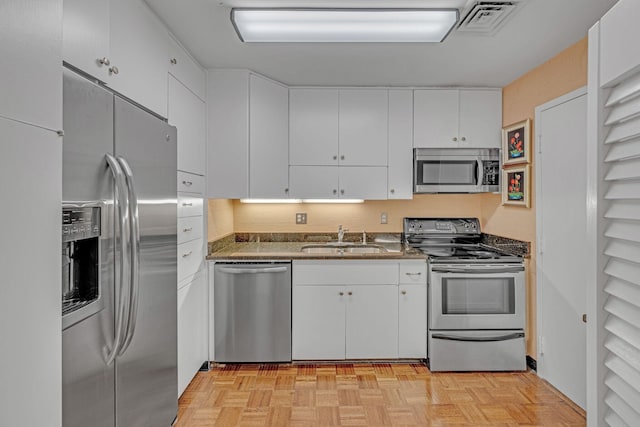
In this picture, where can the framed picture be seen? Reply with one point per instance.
(516, 143)
(515, 186)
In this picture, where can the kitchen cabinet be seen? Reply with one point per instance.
(363, 127)
(338, 182)
(138, 51)
(192, 330)
(85, 36)
(400, 156)
(247, 154)
(457, 118)
(31, 86)
(191, 245)
(187, 113)
(185, 69)
(344, 309)
(412, 310)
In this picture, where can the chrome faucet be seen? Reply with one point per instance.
(364, 237)
(341, 233)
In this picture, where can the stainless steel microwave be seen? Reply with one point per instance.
(456, 170)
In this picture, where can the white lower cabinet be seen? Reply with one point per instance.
(192, 330)
(357, 310)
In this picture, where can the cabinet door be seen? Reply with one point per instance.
(480, 118)
(85, 36)
(400, 176)
(185, 69)
(313, 182)
(618, 55)
(435, 118)
(138, 45)
(192, 330)
(363, 123)
(31, 84)
(187, 113)
(318, 323)
(269, 139)
(313, 126)
(372, 322)
(412, 321)
(363, 182)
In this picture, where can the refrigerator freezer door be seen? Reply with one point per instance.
(146, 373)
(88, 382)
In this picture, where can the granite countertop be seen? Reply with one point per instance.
(292, 250)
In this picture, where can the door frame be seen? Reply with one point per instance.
(539, 203)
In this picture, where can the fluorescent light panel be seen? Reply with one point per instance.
(343, 25)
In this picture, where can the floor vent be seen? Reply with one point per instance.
(487, 17)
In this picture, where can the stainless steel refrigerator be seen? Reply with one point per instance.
(120, 364)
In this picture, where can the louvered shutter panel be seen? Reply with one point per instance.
(622, 251)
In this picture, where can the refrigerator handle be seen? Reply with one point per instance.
(134, 221)
(121, 209)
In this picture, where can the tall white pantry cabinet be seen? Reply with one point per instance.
(31, 194)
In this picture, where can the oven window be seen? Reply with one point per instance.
(488, 295)
(447, 172)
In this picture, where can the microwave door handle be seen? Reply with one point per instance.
(480, 172)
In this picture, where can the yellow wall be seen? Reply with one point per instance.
(562, 74)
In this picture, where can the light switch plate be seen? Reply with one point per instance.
(301, 218)
(383, 218)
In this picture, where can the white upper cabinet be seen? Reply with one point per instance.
(313, 126)
(338, 182)
(138, 50)
(362, 127)
(457, 118)
(314, 182)
(187, 113)
(618, 54)
(248, 136)
(31, 46)
(363, 182)
(85, 36)
(269, 139)
(400, 176)
(185, 69)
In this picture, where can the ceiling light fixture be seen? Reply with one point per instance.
(343, 25)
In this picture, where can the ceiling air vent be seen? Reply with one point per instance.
(486, 17)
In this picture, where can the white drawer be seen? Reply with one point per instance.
(189, 205)
(190, 183)
(344, 273)
(414, 272)
(190, 259)
(189, 228)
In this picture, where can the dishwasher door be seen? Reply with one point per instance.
(252, 309)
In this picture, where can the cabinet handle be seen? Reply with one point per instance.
(335, 191)
(455, 138)
(286, 190)
(414, 274)
(335, 157)
(186, 230)
(341, 293)
(186, 254)
(187, 204)
(463, 139)
(174, 61)
(349, 293)
(341, 191)
(187, 183)
(403, 292)
(113, 70)
(104, 61)
(341, 157)
(393, 191)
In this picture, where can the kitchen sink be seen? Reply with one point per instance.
(342, 249)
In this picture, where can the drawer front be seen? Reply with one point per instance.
(189, 205)
(190, 183)
(345, 273)
(189, 228)
(190, 259)
(414, 272)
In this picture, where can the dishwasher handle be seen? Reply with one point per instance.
(232, 270)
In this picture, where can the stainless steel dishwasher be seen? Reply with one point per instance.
(252, 312)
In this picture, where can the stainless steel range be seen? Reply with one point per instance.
(476, 297)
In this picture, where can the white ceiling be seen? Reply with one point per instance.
(536, 32)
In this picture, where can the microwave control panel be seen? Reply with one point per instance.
(491, 174)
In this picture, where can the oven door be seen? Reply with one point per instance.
(482, 296)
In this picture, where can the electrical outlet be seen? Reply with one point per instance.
(383, 218)
(301, 218)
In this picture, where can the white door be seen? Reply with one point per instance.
(561, 227)
(412, 321)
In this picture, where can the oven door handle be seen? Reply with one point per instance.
(507, 337)
(477, 270)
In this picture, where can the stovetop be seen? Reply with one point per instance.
(452, 241)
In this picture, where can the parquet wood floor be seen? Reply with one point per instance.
(366, 394)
